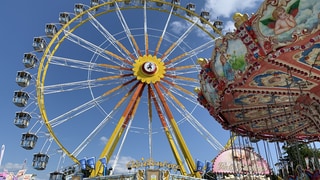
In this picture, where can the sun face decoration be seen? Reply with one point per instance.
(149, 69)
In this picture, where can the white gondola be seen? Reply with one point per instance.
(64, 18)
(218, 24)
(22, 119)
(205, 15)
(51, 30)
(23, 78)
(39, 44)
(78, 8)
(94, 3)
(28, 141)
(175, 3)
(56, 176)
(29, 60)
(20, 98)
(40, 161)
(191, 7)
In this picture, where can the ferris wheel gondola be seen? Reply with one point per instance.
(148, 72)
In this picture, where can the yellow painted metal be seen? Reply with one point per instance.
(110, 66)
(169, 50)
(176, 58)
(135, 44)
(147, 43)
(184, 148)
(125, 49)
(182, 67)
(149, 78)
(120, 127)
(158, 46)
(110, 77)
(196, 174)
(183, 78)
(179, 87)
(173, 147)
(230, 141)
(98, 171)
(117, 57)
(115, 89)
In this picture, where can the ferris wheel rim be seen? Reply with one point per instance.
(43, 67)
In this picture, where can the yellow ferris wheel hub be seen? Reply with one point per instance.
(149, 69)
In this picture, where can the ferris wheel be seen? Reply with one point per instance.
(112, 70)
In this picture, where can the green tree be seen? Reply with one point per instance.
(297, 152)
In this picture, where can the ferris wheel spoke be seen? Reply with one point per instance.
(190, 97)
(93, 134)
(190, 53)
(146, 41)
(175, 128)
(127, 126)
(115, 43)
(187, 84)
(108, 116)
(193, 121)
(178, 42)
(186, 71)
(168, 131)
(150, 119)
(187, 79)
(121, 146)
(163, 32)
(74, 86)
(182, 68)
(78, 64)
(94, 48)
(90, 104)
(186, 91)
(118, 130)
(118, 87)
(126, 29)
(76, 111)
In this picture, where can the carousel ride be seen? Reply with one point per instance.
(262, 80)
(98, 85)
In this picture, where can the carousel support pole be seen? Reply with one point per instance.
(316, 162)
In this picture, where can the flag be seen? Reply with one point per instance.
(3, 147)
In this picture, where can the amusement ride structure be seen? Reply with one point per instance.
(262, 80)
(86, 80)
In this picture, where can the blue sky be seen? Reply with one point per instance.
(24, 20)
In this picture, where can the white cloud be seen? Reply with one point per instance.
(223, 10)
(12, 167)
(104, 140)
(227, 8)
(178, 27)
(228, 26)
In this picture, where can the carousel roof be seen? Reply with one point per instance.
(262, 80)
